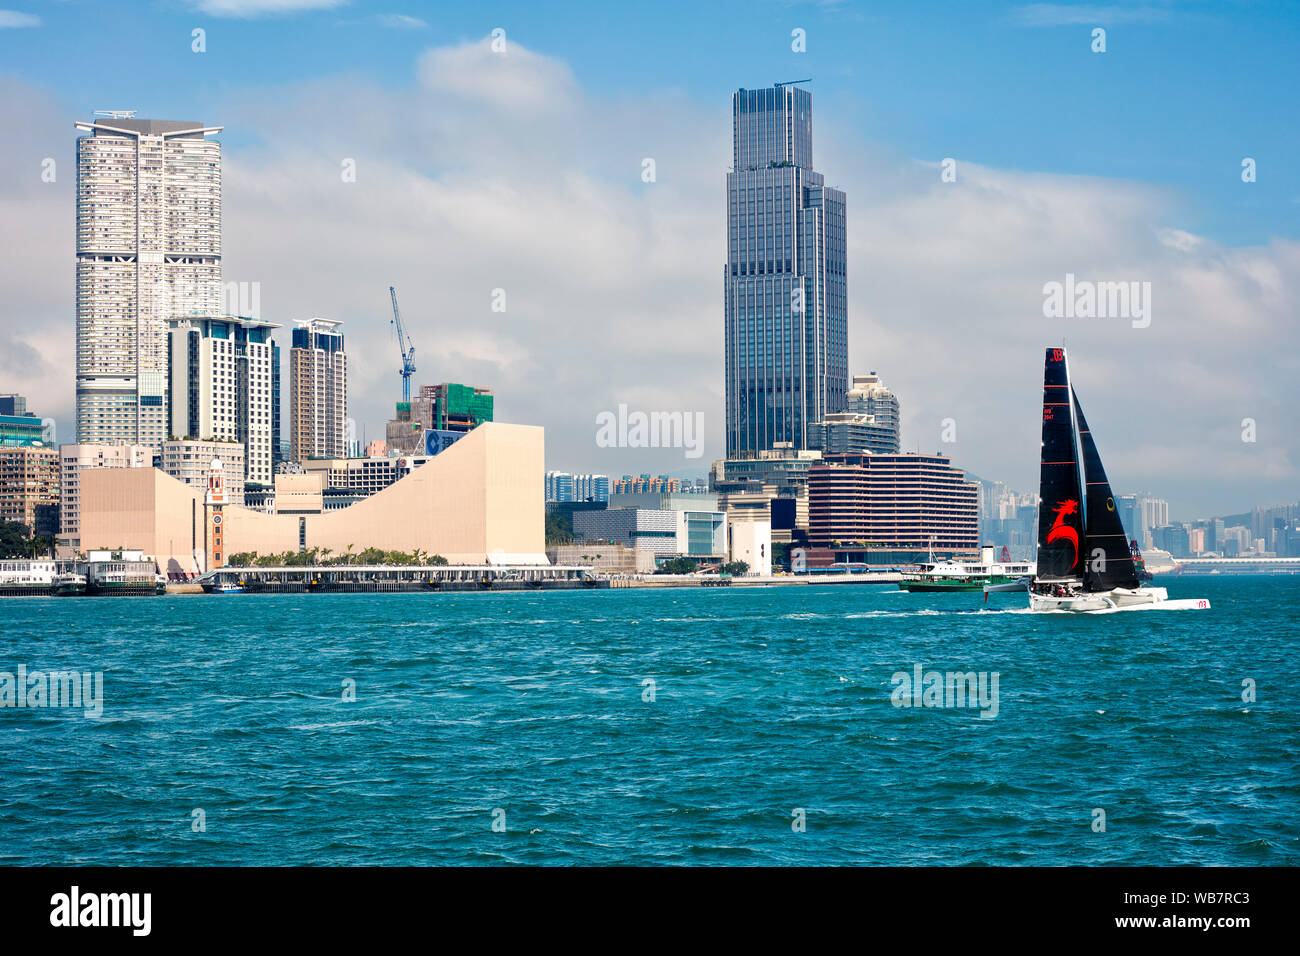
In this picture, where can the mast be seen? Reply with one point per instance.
(1077, 449)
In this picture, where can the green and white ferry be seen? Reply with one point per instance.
(982, 575)
(39, 577)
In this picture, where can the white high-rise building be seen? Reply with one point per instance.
(224, 375)
(148, 249)
(1155, 514)
(870, 396)
(318, 391)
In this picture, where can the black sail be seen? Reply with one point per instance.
(1060, 512)
(1107, 559)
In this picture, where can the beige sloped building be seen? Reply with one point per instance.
(479, 502)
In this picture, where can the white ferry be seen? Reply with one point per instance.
(984, 574)
(122, 573)
(27, 577)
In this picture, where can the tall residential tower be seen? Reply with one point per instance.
(318, 391)
(148, 248)
(224, 385)
(785, 283)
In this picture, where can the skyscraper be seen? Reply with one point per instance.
(785, 284)
(148, 249)
(318, 391)
(223, 386)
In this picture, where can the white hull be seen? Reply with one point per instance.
(1117, 599)
(1020, 585)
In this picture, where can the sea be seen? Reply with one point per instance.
(681, 726)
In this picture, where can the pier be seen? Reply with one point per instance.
(372, 579)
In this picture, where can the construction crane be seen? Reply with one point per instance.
(405, 347)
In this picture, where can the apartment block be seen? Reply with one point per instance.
(148, 248)
(318, 391)
(29, 487)
(224, 385)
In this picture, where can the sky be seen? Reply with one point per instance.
(521, 170)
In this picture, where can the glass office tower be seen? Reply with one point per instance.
(785, 284)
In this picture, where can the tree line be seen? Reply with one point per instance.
(327, 556)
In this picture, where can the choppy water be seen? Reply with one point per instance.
(766, 701)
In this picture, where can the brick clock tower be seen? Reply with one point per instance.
(213, 518)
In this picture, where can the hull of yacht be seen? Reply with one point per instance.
(1116, 599)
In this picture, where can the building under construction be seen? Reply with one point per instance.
(446, 408)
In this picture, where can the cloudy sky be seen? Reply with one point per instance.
(522, 171)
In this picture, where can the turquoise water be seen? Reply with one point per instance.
(766, 701)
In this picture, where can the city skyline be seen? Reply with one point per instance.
(949, 284)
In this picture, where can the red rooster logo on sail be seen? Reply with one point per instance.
(1062, 530)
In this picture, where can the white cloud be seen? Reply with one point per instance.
(400, 21)
(514, 81)
(1059, 15)
(11, 19)
(245, 9)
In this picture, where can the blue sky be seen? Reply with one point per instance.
(522, 172)
(1182, 93)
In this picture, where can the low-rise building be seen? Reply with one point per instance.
(892, 509)
(29, 487)
(352, 479)
(190, 461)
(603, 556)
(771, 486)
(660, 484)
(664, 500)
(751, 542)
(18, 430)
(660, 532)
(300, 494)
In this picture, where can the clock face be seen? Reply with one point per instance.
(216, 519)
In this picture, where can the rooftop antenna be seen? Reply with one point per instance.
(116, 114)
(793, 82)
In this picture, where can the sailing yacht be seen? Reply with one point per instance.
(1084, 561)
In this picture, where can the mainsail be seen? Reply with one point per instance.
(1060, 501)
(1107, 559)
